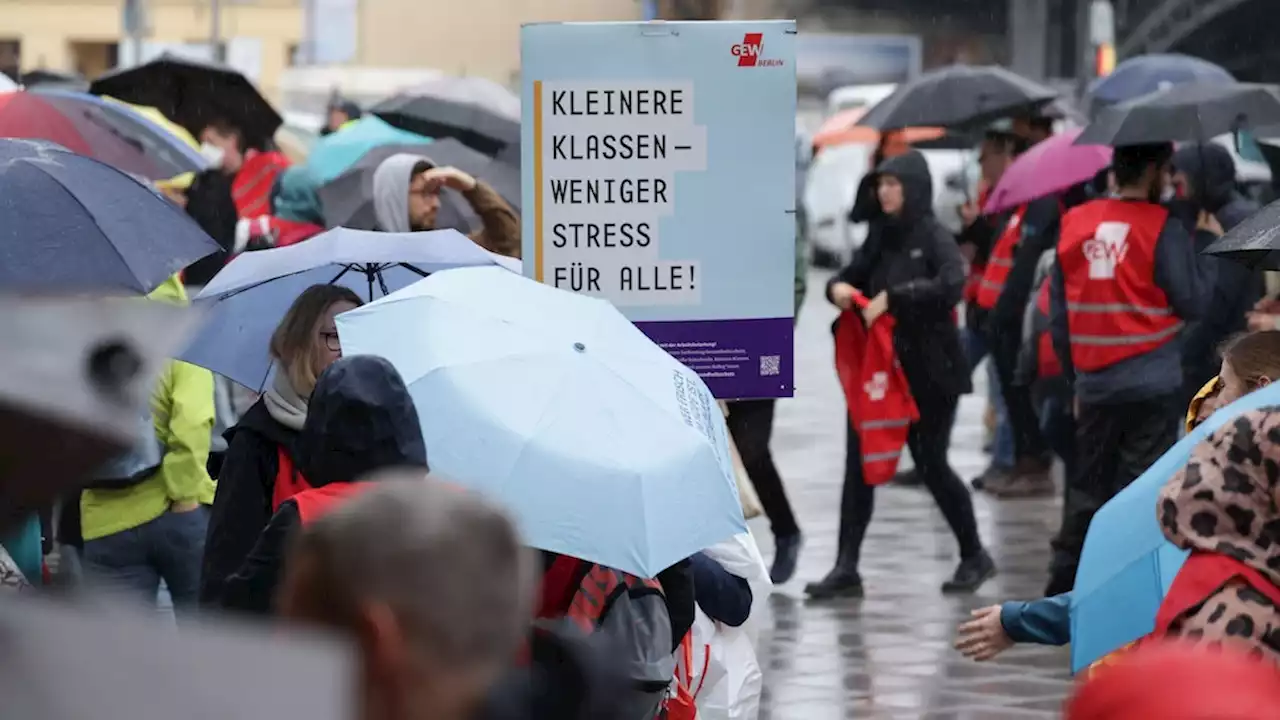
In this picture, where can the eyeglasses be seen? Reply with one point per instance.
(331, 341)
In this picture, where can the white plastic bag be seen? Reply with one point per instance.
(731, 687)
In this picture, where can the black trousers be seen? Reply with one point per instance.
(929, 440)
(751, 425)
(1115, 443)
(1028, 442)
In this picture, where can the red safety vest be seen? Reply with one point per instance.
(1001, 261)
(976, 270)
(1115, 309)
(251, 188)
(1047, 363)
(317, 502)
(289, 481)
(876, 392)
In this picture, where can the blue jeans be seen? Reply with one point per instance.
(169, 548)
(976, 350)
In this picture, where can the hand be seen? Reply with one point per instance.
(184, 506)
(842, 295)
(1269, 305)
(877, 307)
(1261, 321)
(969, 212)
(983, 637)
(1208, 222)
(447, 177)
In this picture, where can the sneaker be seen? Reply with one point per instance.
(970, 574)
(1031, 477)
(993, 477)
(786, 551)
(839, 583)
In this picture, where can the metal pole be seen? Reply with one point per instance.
(215, 31)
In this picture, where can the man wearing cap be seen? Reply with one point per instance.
(406, 198)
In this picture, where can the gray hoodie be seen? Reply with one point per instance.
(391, 190)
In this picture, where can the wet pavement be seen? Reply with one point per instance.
(890, 655)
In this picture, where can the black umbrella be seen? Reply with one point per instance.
(1194, 112)
(483, 115)
(193, 94)
(1254, 242)
(958, 95)
(347, 200)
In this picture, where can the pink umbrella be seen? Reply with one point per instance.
(1050, 167)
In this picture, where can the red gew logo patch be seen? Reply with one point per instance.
(748, 52)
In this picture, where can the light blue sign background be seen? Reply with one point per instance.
(736, 217)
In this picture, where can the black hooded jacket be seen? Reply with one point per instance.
(913, 259)
(360, 419)
(1212, 174)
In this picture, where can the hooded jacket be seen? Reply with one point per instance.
(917, 263)
(360, 419)
(183, 414)
(1212, 173)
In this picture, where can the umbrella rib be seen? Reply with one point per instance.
(123, 260)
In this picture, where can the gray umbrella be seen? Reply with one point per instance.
(347, 200)
(1194, 112)
(1254, 242)
(958, 95)
(482, 114)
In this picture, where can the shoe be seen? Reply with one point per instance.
(907, 478)
(994, 476)
(970, 574)
(839, 583)
(1031, 478)
(786, 551)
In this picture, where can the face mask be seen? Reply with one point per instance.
(212, 154)
(1168, 194)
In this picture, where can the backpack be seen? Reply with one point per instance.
(134, 466)
(628, 617)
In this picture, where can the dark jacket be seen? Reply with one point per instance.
(917, 263)
(1237, 287)
(360, 419)
(1187, 280)
(723, 596)
(1039, 233)
(242, 502)
(1046, 621)
(210, 204)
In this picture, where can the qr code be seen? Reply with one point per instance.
(770, 365)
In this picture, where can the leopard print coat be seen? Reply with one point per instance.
(1225, 501)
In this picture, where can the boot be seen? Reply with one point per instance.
(841, 582)
(786, 552)
(970, 574)
(992, 479)
(1032, 477)
(907, 478)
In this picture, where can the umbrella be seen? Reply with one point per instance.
(1146, 74)
(1126, 566)
(602, 445)
(83, 129)
(7, 84)
(1048, 168)
(333, 154)
(958, 95)
(1194, 112)
(845, 128)
(348, 200)
(193, 94)
(249, 297)
(71, 222)
(52, 79)
(168, 145)
(480, 113)
(1253, 242)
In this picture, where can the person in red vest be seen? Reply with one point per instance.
(1127, 279)
(252, 167)
(360, 420)
(913, 270)
(258, 471)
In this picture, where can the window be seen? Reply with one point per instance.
(11, 58)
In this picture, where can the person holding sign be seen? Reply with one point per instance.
(912, 269)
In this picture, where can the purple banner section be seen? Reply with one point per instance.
(738, 359)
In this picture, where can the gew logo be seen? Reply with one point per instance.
(748, 51)
(878, 386)
(1106, 249)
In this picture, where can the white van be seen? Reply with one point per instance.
(852, 97)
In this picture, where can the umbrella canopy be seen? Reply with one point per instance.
(250, 296)
(1127, 566)
(348, 200)
(958, 95)
(69, 222)
(167, 144)
(1146, 74)
(1254, 242)
(480, 113)
(1194, 112)
(193, 94)
(602, 445)
(844, 128)
(1048, 168)
(336, 152)
(82, 128)
(7, 84)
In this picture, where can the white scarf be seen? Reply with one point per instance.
(284, 404)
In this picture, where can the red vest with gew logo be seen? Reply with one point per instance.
(1001, 261)
(1115, 309)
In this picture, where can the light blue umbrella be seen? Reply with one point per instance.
(602, 445)
(250, 296)
(1127, 565)
(334, 154)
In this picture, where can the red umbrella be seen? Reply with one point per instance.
(31, 116)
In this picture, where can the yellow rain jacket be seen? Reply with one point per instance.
(1210, 389)
(182, 410)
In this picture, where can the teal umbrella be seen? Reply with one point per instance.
(335, 153)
